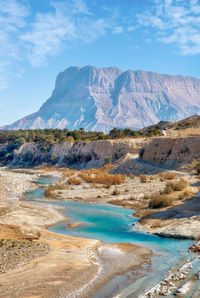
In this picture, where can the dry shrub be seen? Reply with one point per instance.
(197, 167)
(44, 167)
(185, 195)
(66, 173)
(157, 223)
(108, 167)
(50, 190)
(112, 179)
(107, 186)
(152, 178)
(160, 201)
(101, 177)
(124, 177)
(178, 185)
(115, 192)
(132, 176)
(169, 176)
(132, 198)
(146, 197)
(74, 181)
(143, 179)
(167, 190)
(93, 185)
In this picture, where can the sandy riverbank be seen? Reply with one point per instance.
(180, 220)
(72, 266)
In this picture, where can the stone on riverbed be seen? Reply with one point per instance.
(184, 289)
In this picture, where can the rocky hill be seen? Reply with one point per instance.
(171, 152)
(81, 155)
(102, 98)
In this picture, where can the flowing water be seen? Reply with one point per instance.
(113, 224)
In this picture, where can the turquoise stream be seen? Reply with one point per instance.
(113, 224)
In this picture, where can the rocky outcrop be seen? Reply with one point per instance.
(102, 98)
(169, 152)
(86, 154)
(29, 154)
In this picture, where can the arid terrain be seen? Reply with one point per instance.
(38, 263)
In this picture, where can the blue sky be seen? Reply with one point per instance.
(40, 38)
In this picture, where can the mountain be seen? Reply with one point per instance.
(102, 98)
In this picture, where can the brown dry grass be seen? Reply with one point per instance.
(143, 179)
(174, 186)
(115, 192)
(157, 223)
(66, 173)
(167, 176)
(50, 191)
(74, 181)
(185, 195)
(178, 185)
(101, 176)
(160, 201)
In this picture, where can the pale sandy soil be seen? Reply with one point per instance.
(182, 219)
(73, 267)
(130, 192)
(191, 131)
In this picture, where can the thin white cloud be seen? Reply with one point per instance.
(118, 30)
(71, 21)
(66, 22)
(51, 32)
(176, 22)
(12, 20)
(131, 28)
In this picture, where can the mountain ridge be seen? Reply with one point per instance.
(103, 98)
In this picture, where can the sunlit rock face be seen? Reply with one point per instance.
(102, 98)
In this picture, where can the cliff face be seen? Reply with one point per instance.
(90, 154)
(103, 98)
(169, 152)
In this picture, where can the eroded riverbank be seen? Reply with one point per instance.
(60, 271)
(113, 224)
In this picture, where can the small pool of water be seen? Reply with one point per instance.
(112, 224)
(38, 193)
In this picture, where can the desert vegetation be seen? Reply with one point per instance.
(45, 138)
(106, 179)
(160, 201)
(178, 185)
(100, 176)
(74, 181)
(164, 199)
(50, 191)
(143, 178)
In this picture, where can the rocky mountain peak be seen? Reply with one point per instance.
(103, 98)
